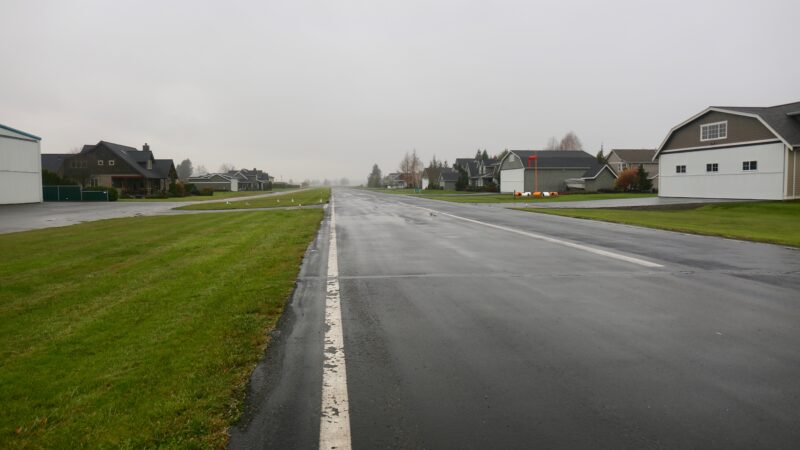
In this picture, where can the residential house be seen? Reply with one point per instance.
(470, 166)
(130, 170)
(549, 170)
(251, 180)
(395, 181)
(20, 167)
(448, 178)
(733, 152)
(599, 177)
(221, 182)
(487, 172)
(621, 159)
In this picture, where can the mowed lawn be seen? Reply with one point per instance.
(199, 198)
(509, 198)
(306, 197)
(140, 332)
(773, 222)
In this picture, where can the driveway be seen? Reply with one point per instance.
(33, 216)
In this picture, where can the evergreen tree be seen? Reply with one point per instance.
(374, 179)
(463, 179)
(485, 155)
(643, 182)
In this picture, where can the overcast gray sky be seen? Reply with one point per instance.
(324, 89)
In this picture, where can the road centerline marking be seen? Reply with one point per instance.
(334, 429)
(552, 240)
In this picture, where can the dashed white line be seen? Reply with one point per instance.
(334, 430)
(596, 251)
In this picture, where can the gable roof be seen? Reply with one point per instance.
(635, 155)
(20, 132)
(468, 164)
(594, 172)
(448, 174)
(782, 120)
(556, 159)
(52, 162)
(135, 158)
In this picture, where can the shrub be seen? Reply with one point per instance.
(626, 180)
(177, 189)
(207, 192)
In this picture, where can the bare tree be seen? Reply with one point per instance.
(200, 170)
(226, 167)
(570, 141)
(411, 169)
(184, 169)
(552, 143)
(75, 150)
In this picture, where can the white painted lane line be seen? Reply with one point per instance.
(541, 237)
(334, 429)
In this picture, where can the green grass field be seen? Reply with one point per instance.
(140, 332)
(307, 197)
(202, 198)
(773, 222)
(508, 198)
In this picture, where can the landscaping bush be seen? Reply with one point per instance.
(206, 192)
(177, 189)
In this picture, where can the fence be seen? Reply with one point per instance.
(72, 194)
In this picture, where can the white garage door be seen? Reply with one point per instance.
(512, 180)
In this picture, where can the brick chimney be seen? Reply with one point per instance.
(145, 147)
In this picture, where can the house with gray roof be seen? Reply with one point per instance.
(621, 159)
(221, 182)
(448, 177)
(549, 170)
(733, 152)
(132, 171)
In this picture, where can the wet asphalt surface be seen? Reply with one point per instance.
(459, 335)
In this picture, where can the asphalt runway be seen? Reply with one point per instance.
(467, 326)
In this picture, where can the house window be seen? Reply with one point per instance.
(712, 167)
(110, 162)
(680, 169)
(713, 131)
(750, 165)
(99, 162)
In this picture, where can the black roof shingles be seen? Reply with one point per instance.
(783, 119)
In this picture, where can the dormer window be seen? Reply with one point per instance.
(714, 131)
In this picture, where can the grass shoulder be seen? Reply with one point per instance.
(770, 222)
(307, 197)
(509, 198)
(140, 332)
(202, 198)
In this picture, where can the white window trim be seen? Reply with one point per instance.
(677, 171)
(712, 124)
(111, 162)
(99, 162)
(712, 167)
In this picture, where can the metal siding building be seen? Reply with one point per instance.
(20, 167)
(733, 152)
